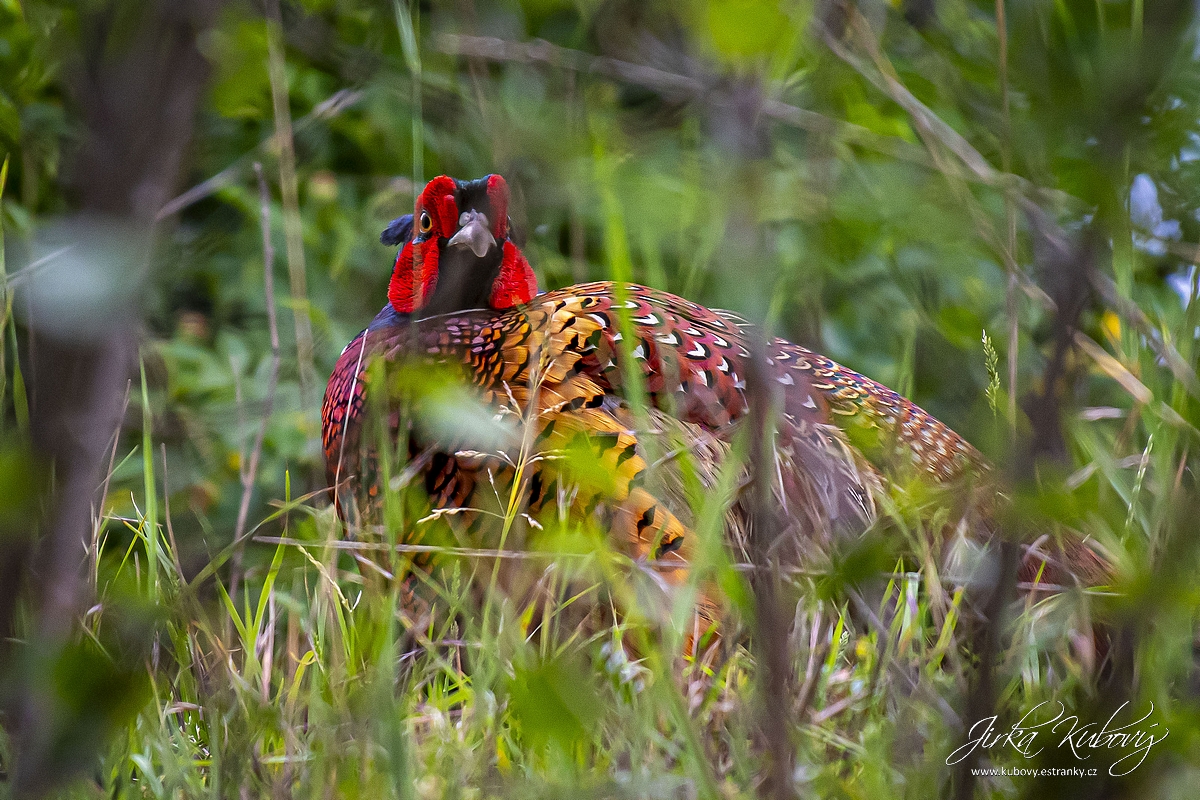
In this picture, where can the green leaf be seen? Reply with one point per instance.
(555, 701)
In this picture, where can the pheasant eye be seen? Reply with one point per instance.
(426, 223)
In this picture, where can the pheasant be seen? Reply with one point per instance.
(462, 294)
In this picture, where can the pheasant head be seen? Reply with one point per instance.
(457, 253)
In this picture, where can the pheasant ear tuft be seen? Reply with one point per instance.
(515, 235)
(398, 231)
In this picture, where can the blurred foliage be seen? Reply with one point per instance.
(855, 226)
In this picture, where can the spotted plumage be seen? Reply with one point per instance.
(695, 357)
(562, 351)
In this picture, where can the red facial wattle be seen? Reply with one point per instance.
(437, 200)
(516, 284)
(412, 283)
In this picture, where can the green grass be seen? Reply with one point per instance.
(324, 675)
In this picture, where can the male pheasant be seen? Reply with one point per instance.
(559, 360)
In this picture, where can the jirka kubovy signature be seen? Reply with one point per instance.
(1131, 739)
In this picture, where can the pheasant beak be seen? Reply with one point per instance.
(473, 233)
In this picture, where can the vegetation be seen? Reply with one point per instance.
(990, 208)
